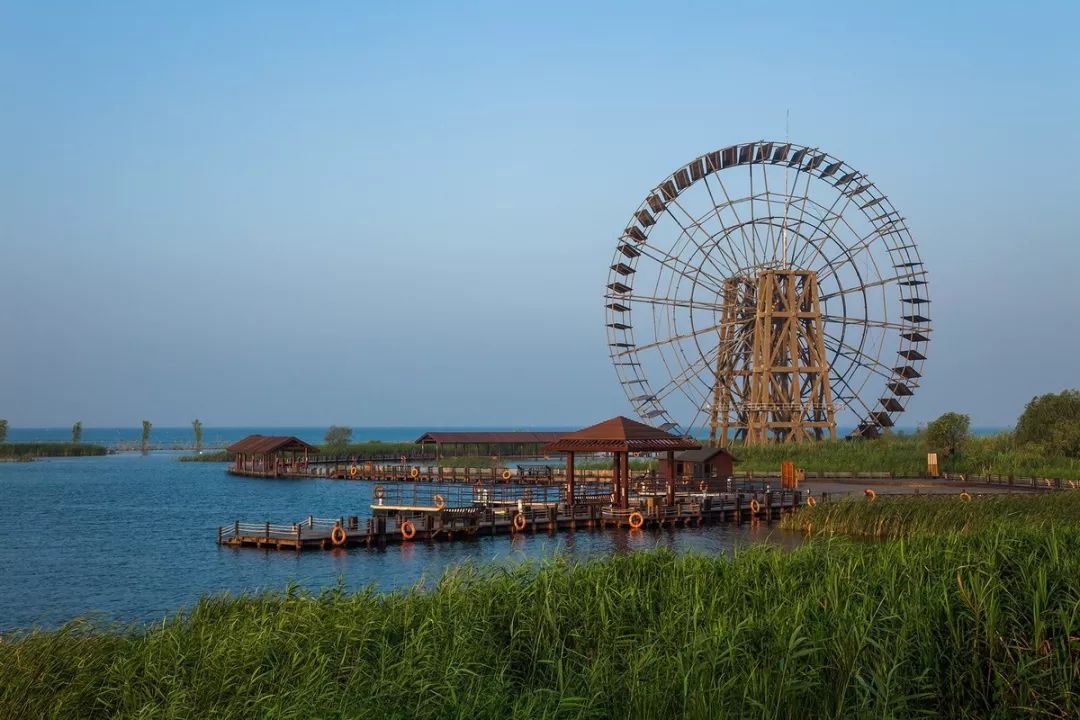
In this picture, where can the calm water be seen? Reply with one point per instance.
(132, 537)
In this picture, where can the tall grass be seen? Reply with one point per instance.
(30, 450)
(905, 516)
(960, 625)
(906, 455)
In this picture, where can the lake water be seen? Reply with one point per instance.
(132, 538)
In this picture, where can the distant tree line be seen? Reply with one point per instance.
(1049, 424)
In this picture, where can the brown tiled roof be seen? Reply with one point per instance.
(621, 434)
(270, 443)
(489, 437)
(703, 455)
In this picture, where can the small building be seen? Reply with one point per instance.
(481, 444)
(270, 455)
(704, 464)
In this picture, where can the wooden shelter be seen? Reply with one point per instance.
(620, 436)
(270, 455)
(476, 444)
(704, 464)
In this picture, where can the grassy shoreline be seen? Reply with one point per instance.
(952, 620)
(29, 450)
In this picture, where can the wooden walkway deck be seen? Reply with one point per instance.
(393, 522)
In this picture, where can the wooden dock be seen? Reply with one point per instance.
(402, 516)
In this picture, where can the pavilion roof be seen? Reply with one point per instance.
(493, 438)
(703, 455)
(270, 443)
(621, 434)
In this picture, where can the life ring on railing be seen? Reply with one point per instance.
(870, 494)
(353, 471)
(338, 536)
(414, 473)
(440, 502)
(754, 506)
(378, 492)
(811, 501)
(519, 521)
(408, 530)
(965, 496)
(506, 474)
(636, 520)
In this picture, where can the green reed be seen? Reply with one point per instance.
(30, 450)
(961, 625)
(904, 516)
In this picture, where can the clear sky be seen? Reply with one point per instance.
(313, 213)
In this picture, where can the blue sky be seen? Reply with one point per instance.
(282, 213)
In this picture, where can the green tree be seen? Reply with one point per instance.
(337, 437)
(1053, 421)
(146, 425)
(76, 432)
(3, 430)
(196, 427)
(948, 434)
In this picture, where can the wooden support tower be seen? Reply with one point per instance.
(727, 417)
(790, 399)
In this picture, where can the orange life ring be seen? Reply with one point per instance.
(519, 521)
(338, 536)
(414, 473)
(636, 520)
(440, 502)
(965, 496)
(811, 501)
(353, 471)
(754, 506)
(408, 530)
(378, 492)
(870, 494)
(505, 474)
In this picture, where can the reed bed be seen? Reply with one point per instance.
(974, 625)
(30, 450)
(905, 455)
(905, 516)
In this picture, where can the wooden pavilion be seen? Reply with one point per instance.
(270, 455)
(455, 443)
(620, 436)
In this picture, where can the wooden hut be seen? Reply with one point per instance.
(705, 463)
(270, 455)
(620, 436)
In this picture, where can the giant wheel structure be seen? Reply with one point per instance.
(767, 292)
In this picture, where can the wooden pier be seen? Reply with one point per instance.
(408, 513)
